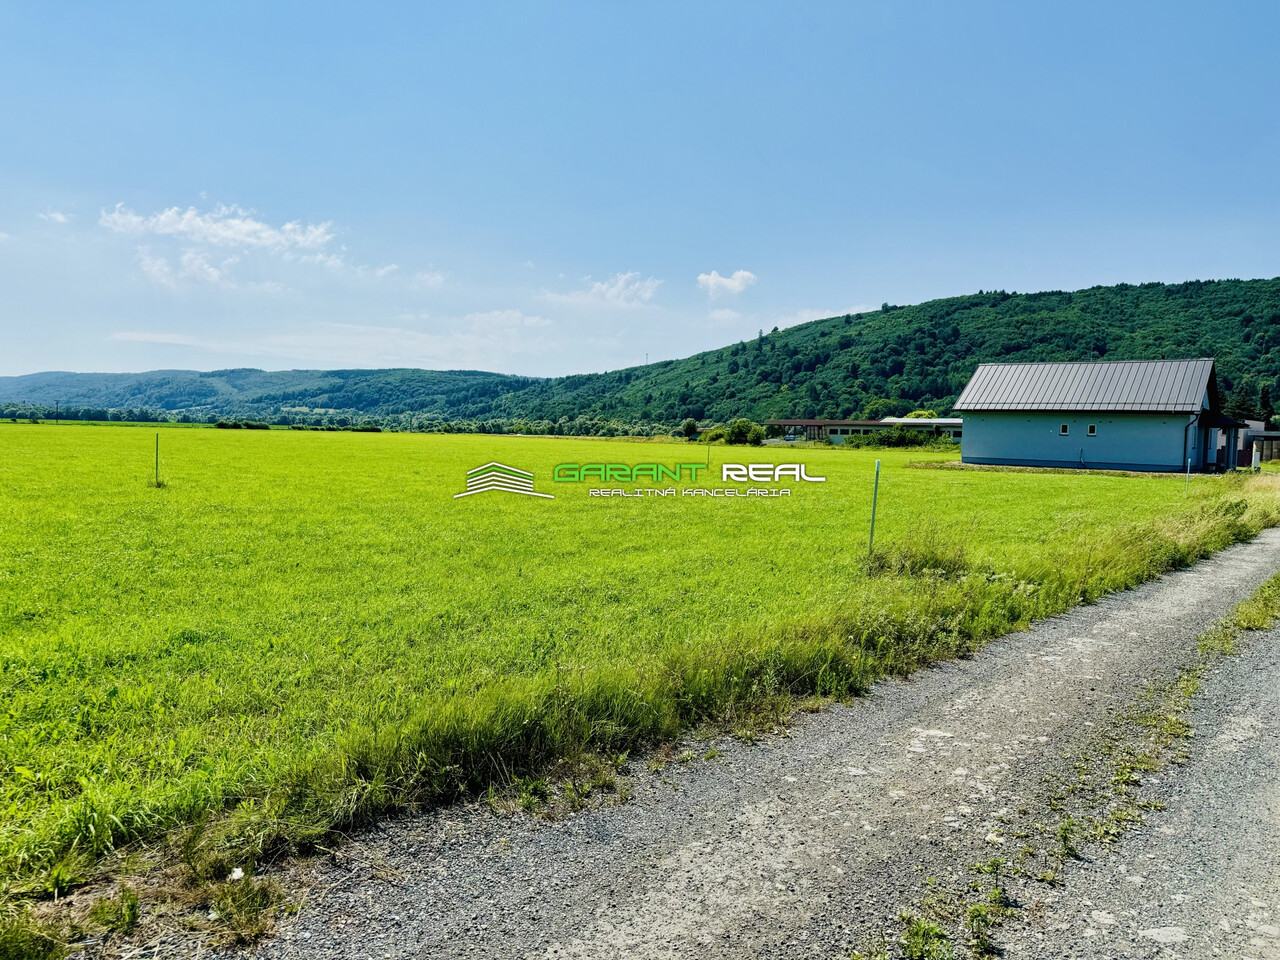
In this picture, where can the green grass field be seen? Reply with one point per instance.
(301, 631)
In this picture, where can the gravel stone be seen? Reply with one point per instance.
(805, 845)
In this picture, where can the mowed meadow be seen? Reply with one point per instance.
(301, 631)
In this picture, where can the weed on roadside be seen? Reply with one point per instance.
(22, 937)
(116, 914)
(925, 940)
(245, 908)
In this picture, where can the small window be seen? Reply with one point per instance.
(1093, 429)
(1064, 430)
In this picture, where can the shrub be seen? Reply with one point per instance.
(739, 431)
(899, 436)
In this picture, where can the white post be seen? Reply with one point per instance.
(1257, 455)
(1188, 490)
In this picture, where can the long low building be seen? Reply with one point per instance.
(1159, 415)
(837, 430)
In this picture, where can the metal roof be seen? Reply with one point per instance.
(1163, 386)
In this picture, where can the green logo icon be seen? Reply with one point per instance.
(498, 476)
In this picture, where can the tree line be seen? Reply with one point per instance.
(870, 365)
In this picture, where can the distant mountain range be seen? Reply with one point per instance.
(886, 362)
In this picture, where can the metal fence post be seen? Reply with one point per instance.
(875, 495)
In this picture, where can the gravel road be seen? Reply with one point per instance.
(805, 845)
(1204, 881)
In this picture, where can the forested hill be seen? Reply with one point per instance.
(886, 362)
(259, 393)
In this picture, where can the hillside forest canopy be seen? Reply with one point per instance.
(888, 362)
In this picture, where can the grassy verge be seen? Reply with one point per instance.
(512, 732)
(220, 652)
(943, 607)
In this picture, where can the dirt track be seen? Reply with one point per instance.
(1204, 881)
(806, 845)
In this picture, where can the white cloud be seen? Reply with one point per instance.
(330, 261)
(5, 236)
(620, 290)
(180, 246)
(265, 286)
(157, 268)
(626, 288)
(55, 216)
(192, 265)
(378, 273)
(475, 340)
(735, 283)
(195, 266)
(429, 279)
(224, 226)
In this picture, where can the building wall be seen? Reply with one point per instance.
(1123, 440)
(838, 435)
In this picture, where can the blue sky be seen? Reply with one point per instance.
(548, 189)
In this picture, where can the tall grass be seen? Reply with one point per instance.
(302, 632)
(459, 743)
